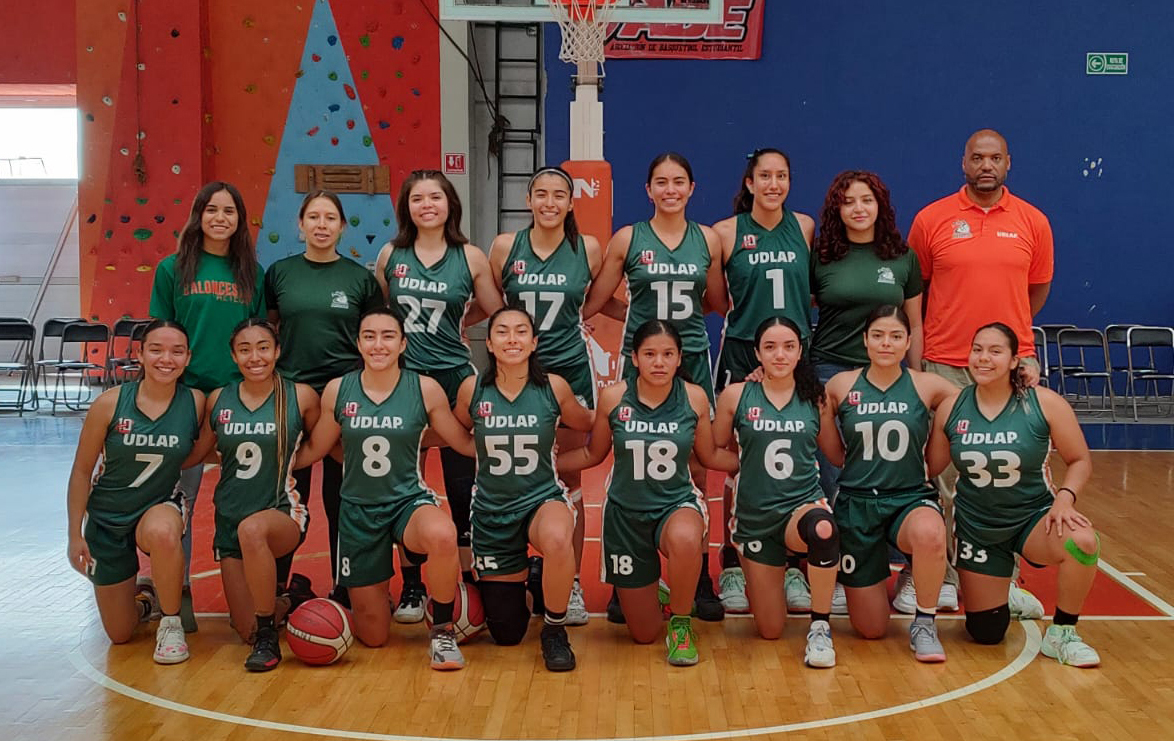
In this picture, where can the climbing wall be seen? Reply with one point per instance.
(241, 90)
(141, 128)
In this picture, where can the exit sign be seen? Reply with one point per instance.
(1106, 63)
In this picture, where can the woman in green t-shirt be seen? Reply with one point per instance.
(211, 284)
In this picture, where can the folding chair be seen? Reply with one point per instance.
(23, 334)
(1115, 335)
(1050, 331)
(122, 359)
(1088, 344)
(50, 330)
(90, 342)
(1151, 339)
(1040, 340)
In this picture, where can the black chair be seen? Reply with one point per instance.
(1115, 337)
(1151, 339)
(1050, 331)
(122, 358)
(1084, 346)
(50, 330)
(1040, 340)
(89, 342)
(22, 334)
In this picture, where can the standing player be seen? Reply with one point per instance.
(430, 273)
(518, 501)
(884, 412)
(380, 413)
(766, 252)
(211, 284)
(261, 514)
(654, 422)
(779, 507)
(138, 436)
(863, 263)
(673, 272)
(316, 299)
(985, 255)
(548, 268)
(998, 432)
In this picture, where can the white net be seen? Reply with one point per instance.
(584, 28)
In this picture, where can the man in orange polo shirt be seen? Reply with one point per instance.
(985, 255)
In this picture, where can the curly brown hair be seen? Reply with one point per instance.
(832, 243)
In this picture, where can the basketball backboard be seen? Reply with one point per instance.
(626, 11)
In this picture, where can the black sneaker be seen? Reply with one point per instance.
(615, 613)
(556, 649)
(266, 653)
(300, 590)
(706, 605)
(534, 584)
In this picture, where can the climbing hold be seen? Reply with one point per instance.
(92, 218)
(332, 76)
(160, 218)
(299, 73)
(250, 88)
(367, 141)
(124, 219)
(89, 117)
(141, 201)
(269, 139)
(107, 100)
(334, 141)
(122, 16)
(399, 74)
(365, 41)
(142, 234)
(370, 238)
(175, 33)
(354, 220)
(274, 237)
(142, 135)
(387, 222)
(316, 58)
(141, 66)
(124, 151)
(384, 125)
(248, 22)
(364, 75)
(144, 268)
(350, 91)
(332, 39)
(355, 253)
(175, 169)
(175, 101)
(416, 91)
(111, 267)
(397, 43)
(270, 171)
(109, 233)
(350, 123)
(312, 131)
(334, 107)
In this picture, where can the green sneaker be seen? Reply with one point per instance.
(681, 641)
(1062, 643)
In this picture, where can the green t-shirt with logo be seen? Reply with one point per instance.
(847, 290)
(208, 309)
(319, 305)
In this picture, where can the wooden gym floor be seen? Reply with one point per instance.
(60, 678)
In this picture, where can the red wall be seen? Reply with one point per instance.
(37, 39)
(210, 101)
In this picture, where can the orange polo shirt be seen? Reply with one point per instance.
(979, 264)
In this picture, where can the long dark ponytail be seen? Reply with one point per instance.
(744, 200)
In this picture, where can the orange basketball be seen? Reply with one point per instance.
(468, 614)
(319, 631)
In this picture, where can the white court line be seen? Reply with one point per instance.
(1124, 580)
(1026, 655)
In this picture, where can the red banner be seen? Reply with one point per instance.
(739, 37)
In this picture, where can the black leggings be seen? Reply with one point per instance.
(331, 486)
(459, 472)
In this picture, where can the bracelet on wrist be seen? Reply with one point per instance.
(1065, 488)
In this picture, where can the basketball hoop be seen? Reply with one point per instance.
(584, 28)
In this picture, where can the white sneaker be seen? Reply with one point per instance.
(411, 603)
(1023, 604)
(1063, 644)
(948, 598)
(731, 587)
(819, 653)
(905, 600)
(798, 591)
(923, 640)
(839, 600)
(576, 606)
(171, 647)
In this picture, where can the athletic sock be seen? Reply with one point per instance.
(411, 574)
(467, 576)
(729, 557)
(1065, 618)
(922, 613)
(264, 621)
(556, 618)
(824, 616)
(794, 561)
(441, 612)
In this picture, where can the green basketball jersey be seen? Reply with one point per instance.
(1002, 463)
(515, 448)
(319, 305)
(667, 284)
(141, 457)
(251, 477)
(884, 435)
(651, 446)
(381, 442)
(777, 451)
(769, 275)
(432, 301)
(553, 291)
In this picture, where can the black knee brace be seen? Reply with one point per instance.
(459, 472)
(506, 613)
(988, 626)
(821, 552)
